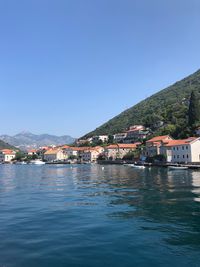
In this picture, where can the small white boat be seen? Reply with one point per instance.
(37, 162)
(138, 166)
(129, 165)
(177, 168)
(21, 163)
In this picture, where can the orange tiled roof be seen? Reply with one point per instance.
(90, 149)
(8, 151)
(32, 151)
(159, 138)
(77, 148)
(84, 148)
(44, 147)
(117, 146)
(51, 151)
(65, 146)
(180, 142)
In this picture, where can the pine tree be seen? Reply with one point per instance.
(194, 110)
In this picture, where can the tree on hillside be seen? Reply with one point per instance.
(110, 139)
(194, 110)
(20, 156)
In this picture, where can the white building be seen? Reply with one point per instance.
(7, 155)
(54, 154)
(32, 152)
(83, 141)
(119, 137)
(91, 154)
(137, 127)
(182, 151)
(136, 133)
(74, 151)
(103, 138)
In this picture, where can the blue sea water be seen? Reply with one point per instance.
(58, 215)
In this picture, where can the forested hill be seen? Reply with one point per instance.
(168, 107)
(4, 145)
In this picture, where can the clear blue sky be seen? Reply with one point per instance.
(67, 66)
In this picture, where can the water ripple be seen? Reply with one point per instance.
(86, 216)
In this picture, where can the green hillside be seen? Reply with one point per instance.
(170, 106)
(4, 145)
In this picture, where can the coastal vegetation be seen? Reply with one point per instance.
(174, 111)
(4, 145)
(194, 111)
(22, 156)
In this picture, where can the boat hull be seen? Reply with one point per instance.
(177, 168)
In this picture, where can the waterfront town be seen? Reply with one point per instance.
(136, 144)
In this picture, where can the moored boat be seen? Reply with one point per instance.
(178, 167)
(138, 166)
(37, 162)
(21, 163)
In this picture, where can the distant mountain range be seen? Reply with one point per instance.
(169, 108)
(27, 140)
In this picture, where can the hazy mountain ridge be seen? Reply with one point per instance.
(4, 145)
(27, 140)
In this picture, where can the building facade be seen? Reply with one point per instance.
(153, 145)
(119, 137)
(103, 138)
(91, 154)
(7, 155)
(182, 151)
(118, 151)
(54, 155)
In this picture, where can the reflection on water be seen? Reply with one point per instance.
(83, 215)
(196, 185)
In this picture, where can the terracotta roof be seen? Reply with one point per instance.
(65, 146)
(85, 148)
(180, 142)
(90, 149)
(44, 148)
(74, 148)
(137, 143)
(8, 151)
(117, 146)
(32, 151)
(52, 151)
(159, 138)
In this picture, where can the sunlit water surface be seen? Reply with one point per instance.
(88, 216)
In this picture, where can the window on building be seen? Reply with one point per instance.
(182, 147)
(186, 147)
(177, 148)
(177, 156)
(183, 156)
(187, 156)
